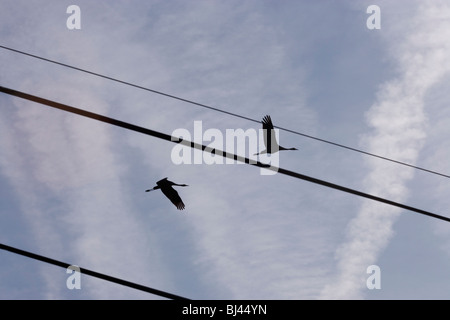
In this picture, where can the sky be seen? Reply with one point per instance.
(72, 188)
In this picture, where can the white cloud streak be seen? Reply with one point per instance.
(398, 121)
(68, 179)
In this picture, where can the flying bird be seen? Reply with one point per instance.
(270, 139)
(166, 188)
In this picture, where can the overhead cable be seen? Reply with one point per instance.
(224, 111)
(92, 273)
(198, 146)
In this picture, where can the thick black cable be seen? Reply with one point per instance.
(92, 273)
(223, 111)
(167, 137)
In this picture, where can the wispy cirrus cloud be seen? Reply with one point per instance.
(398, 124)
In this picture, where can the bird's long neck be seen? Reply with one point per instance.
(154, 188)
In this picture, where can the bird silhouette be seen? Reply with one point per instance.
(166, 188)
(270, 139)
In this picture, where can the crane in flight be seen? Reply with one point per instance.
(270, 140)
(166, 187)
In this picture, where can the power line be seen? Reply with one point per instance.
(167, 137)
(92, 273)
(223, 111)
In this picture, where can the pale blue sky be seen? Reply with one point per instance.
(73, 189)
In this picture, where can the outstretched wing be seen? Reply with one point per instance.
(174, 197)
(267, 122)
(163, 182)
(270, 139)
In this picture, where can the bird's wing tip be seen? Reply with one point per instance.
(180, 206)
(266, 119)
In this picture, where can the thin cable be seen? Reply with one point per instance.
(223, 111)
(167, 137)
(92, 273)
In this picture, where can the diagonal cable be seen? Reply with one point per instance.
(168, 137)
(223, 111)
(92, 273)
